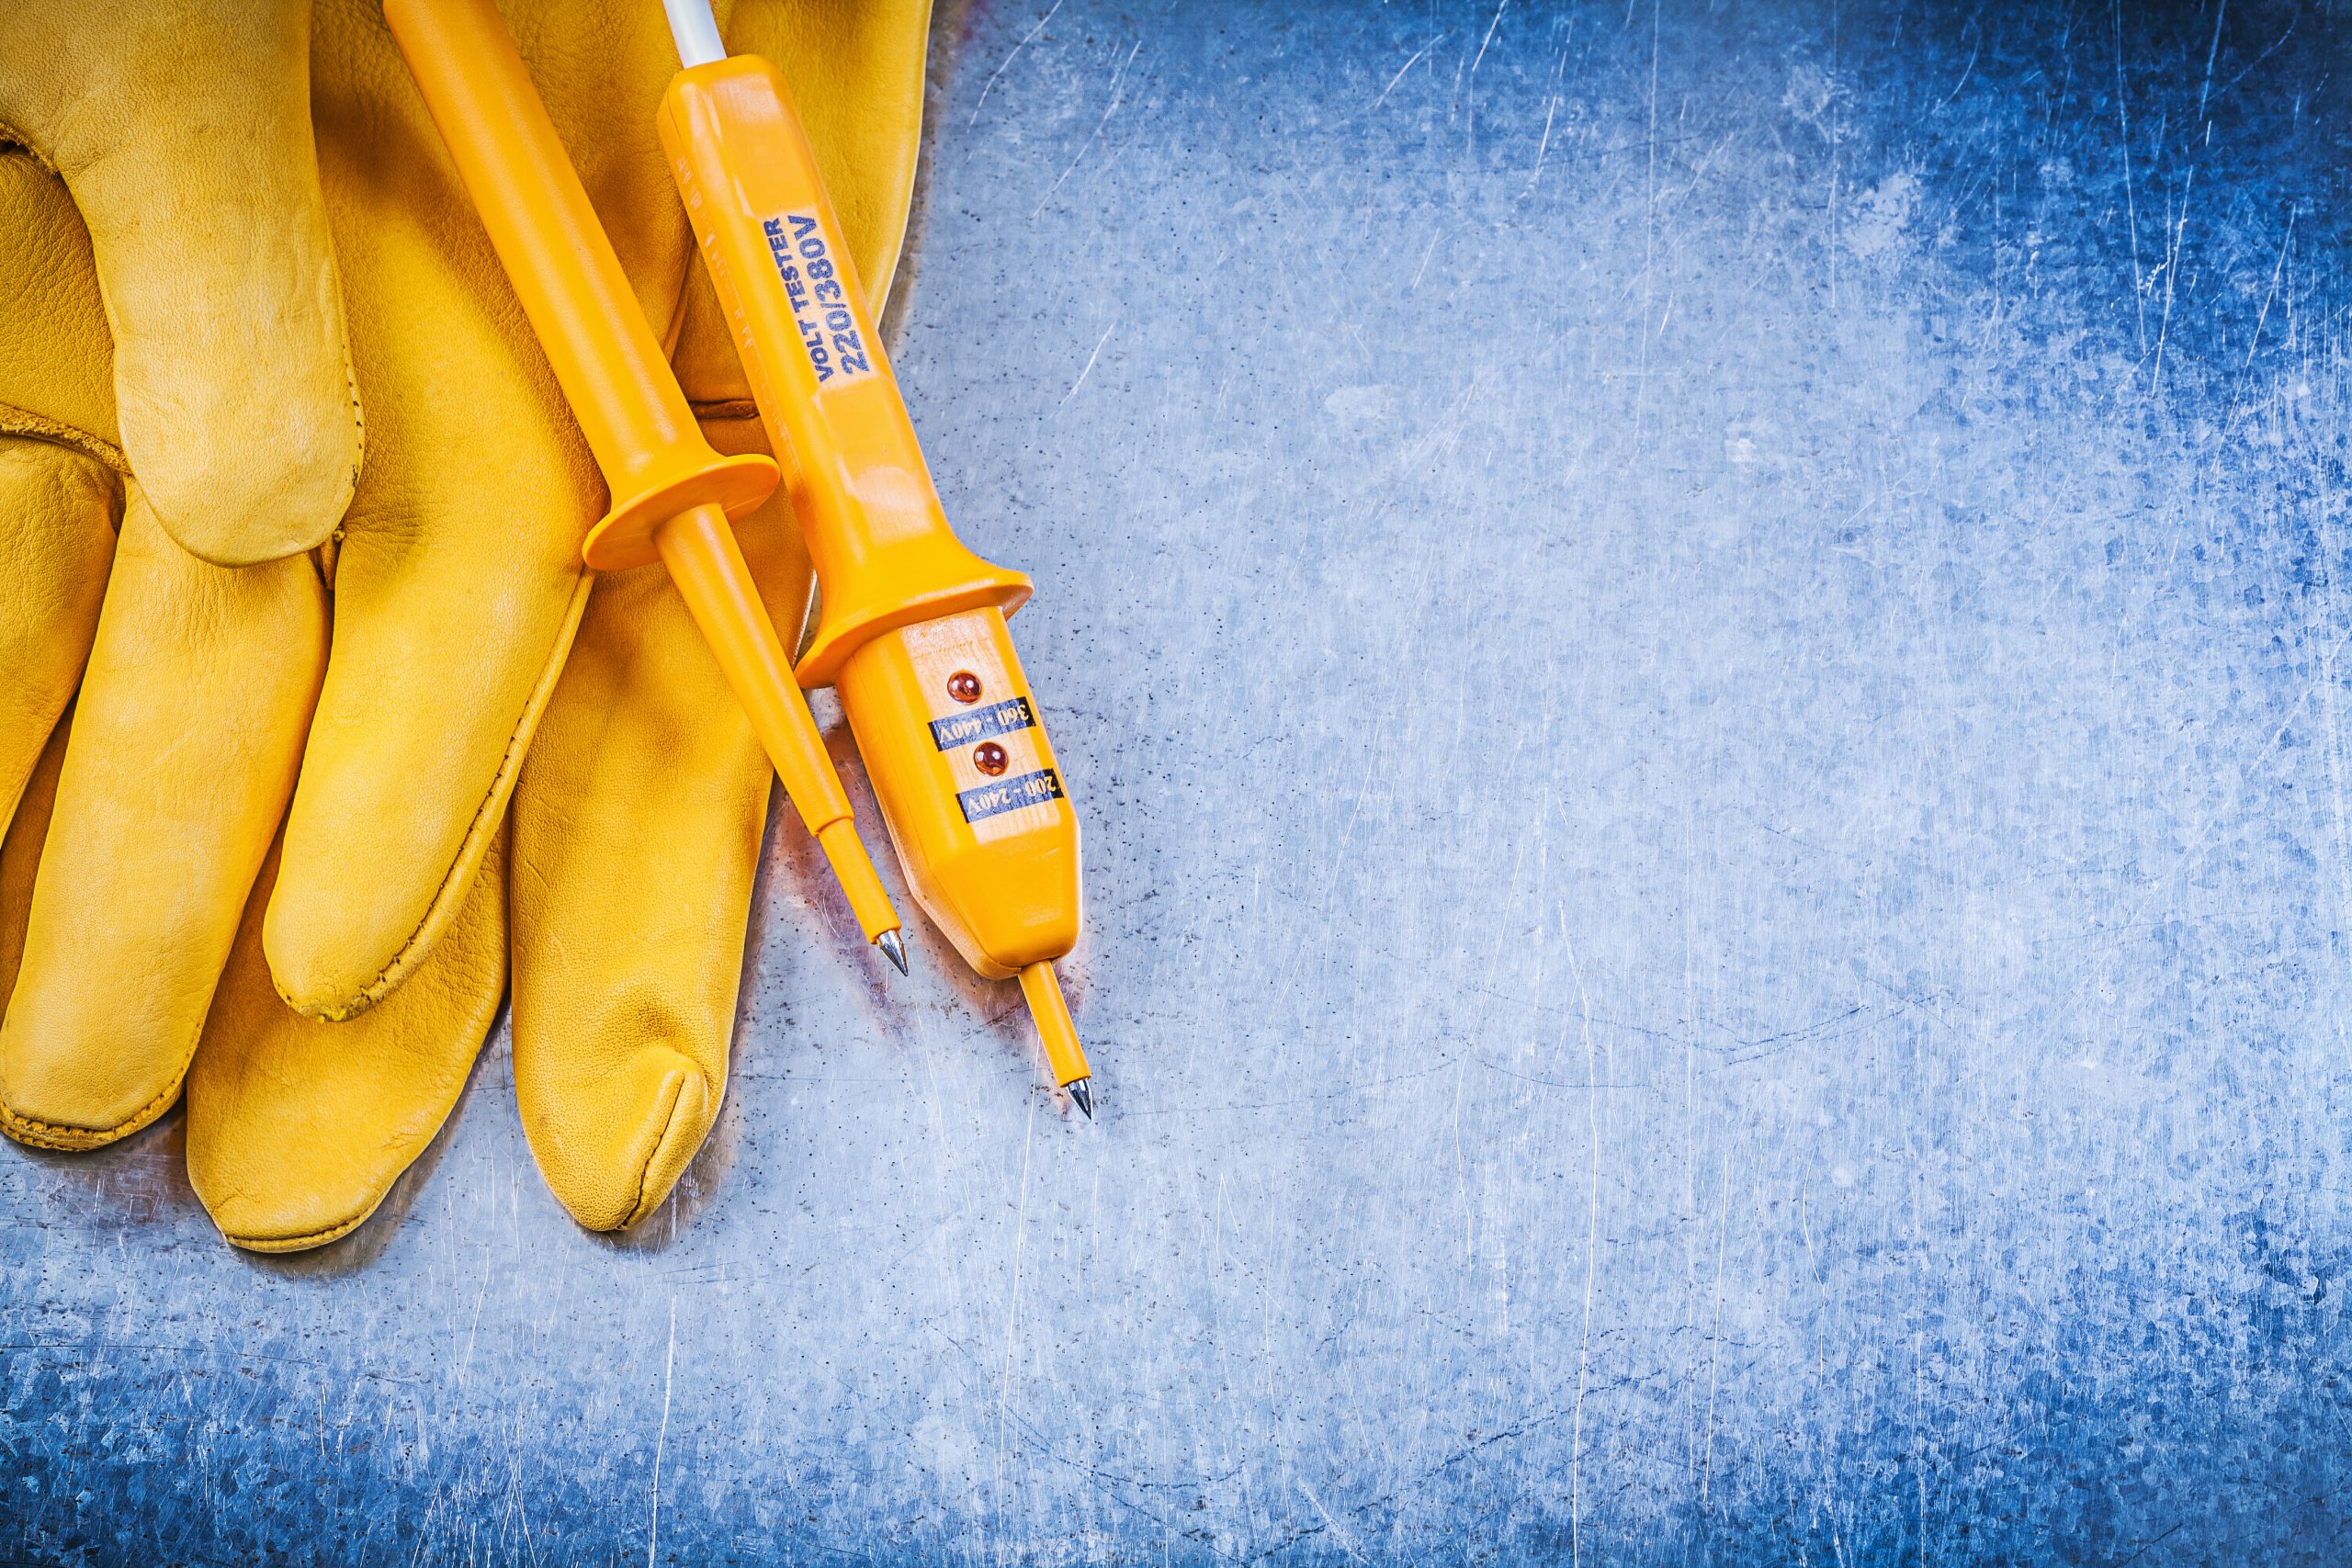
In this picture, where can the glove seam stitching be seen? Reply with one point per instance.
(637, 1209)
(11, 1121)
(23, 421)
(308, 1238)
(12, 137)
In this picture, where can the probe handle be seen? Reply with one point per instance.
(672, 493)
(547, 237)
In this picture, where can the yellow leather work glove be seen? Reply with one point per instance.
(636, 823)
(233, 290)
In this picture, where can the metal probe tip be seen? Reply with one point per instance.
(894, 948)
(1081, 1090)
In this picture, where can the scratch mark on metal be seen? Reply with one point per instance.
(1542, 147)
(2212, 52)
(2278, 270)
(1006, 63)
(1427, 251)
(662, 1437)
(1091, 358)
(1966, 72)
(1591, 1252)
(1020, 1248)
(1409, 64)
(2131, 201)
(2172, 274)
(1118, 90)
(1470, 106)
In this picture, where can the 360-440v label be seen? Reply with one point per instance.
(963, 728)
(820, 298)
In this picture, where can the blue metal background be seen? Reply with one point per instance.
(1702, 647)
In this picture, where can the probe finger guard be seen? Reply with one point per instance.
(624, 537)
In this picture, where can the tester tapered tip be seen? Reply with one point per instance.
(894, 948)
(854, 872)
(1054, 1031)
(1082, 1093)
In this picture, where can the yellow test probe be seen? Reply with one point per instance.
(672, 495)
(913, 631)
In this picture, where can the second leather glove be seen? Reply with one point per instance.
(629, 892)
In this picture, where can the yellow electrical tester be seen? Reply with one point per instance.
(912, 632)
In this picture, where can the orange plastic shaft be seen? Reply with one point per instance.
(607, 358)
(672, 493)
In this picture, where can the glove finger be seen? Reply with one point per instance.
(56, 356)
(186, 738)
(185, 139)
(636, 837)
(20, 854)
(855, 68)
(296, 1129)
(57, 510)
(458, 582)
(59, 496)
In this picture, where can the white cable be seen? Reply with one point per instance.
(696, 32)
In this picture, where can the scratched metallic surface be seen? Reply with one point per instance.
(1702, 653)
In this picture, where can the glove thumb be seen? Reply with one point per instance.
(184, 138)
